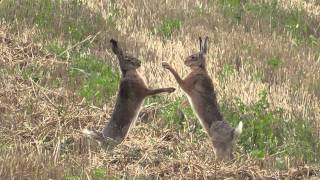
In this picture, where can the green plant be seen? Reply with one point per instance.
(169, 113)
(168, 27)
(296, 24)
(263, 10)
(70, 178)
(230, 3)
(232, 8)
(258, 75)
(112, 16)
(258, 137)
(179, 114)
(99, 174)
(72, 20)
(145, 177)
(274, 62)
(266, 133)
(5, 146)
(35, 72)
(93, 79)
(116, 177)
(272, 17)
(227, 71)
(200, 10)
(100, 80)
(306, 146)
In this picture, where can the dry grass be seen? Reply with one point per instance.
(41, 123)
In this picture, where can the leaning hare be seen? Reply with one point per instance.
(131, 95)
(199, 89)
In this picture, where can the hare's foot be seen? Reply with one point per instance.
(109, 143)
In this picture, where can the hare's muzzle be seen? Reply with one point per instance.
(188, 61)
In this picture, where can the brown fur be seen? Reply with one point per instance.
(130, 98)
(199, 88)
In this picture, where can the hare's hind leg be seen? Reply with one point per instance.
(105, 143)
(112, 131)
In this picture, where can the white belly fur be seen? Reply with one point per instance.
(196, 113)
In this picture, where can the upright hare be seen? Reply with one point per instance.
(130, 98)
(199, 89)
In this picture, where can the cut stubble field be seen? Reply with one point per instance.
(58, 76)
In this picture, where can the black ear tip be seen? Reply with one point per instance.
(113, 41)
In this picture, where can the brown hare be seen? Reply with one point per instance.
(199, 89)
(130, 98)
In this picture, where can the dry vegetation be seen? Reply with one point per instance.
(58, 75)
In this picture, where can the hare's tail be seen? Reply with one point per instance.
(238, 129)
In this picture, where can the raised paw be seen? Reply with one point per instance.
(171, 90)
(166, 65)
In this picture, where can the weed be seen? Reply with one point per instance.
(145, 177)
(168, 27)
(200, 10)
(99, 174)
(5, 146)
(305, 146)
(274, 62)
(56, 83)
(69, 19)
(70, 178)
(263, 10)
(113, 14)
(266, 133)
(258, 76)
(180, 116)
(100, 80)
(116, 177)
(227, 71)
(93, 79)
(295, 23)
(36, 73)
(232, 8)
(169, 113)
(272, 18)
(49, 136)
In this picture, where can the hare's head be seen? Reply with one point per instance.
(129, 63)
(198, 59)
(223, 141)
(126, 62)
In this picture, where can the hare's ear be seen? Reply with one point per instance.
(205, 45)
(200, 43)
(115, 48)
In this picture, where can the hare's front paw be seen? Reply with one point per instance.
(171, 90)
(166, 65)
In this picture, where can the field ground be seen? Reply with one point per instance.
(58, 76)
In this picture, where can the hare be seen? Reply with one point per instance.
(131, 95)
(199, 89)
